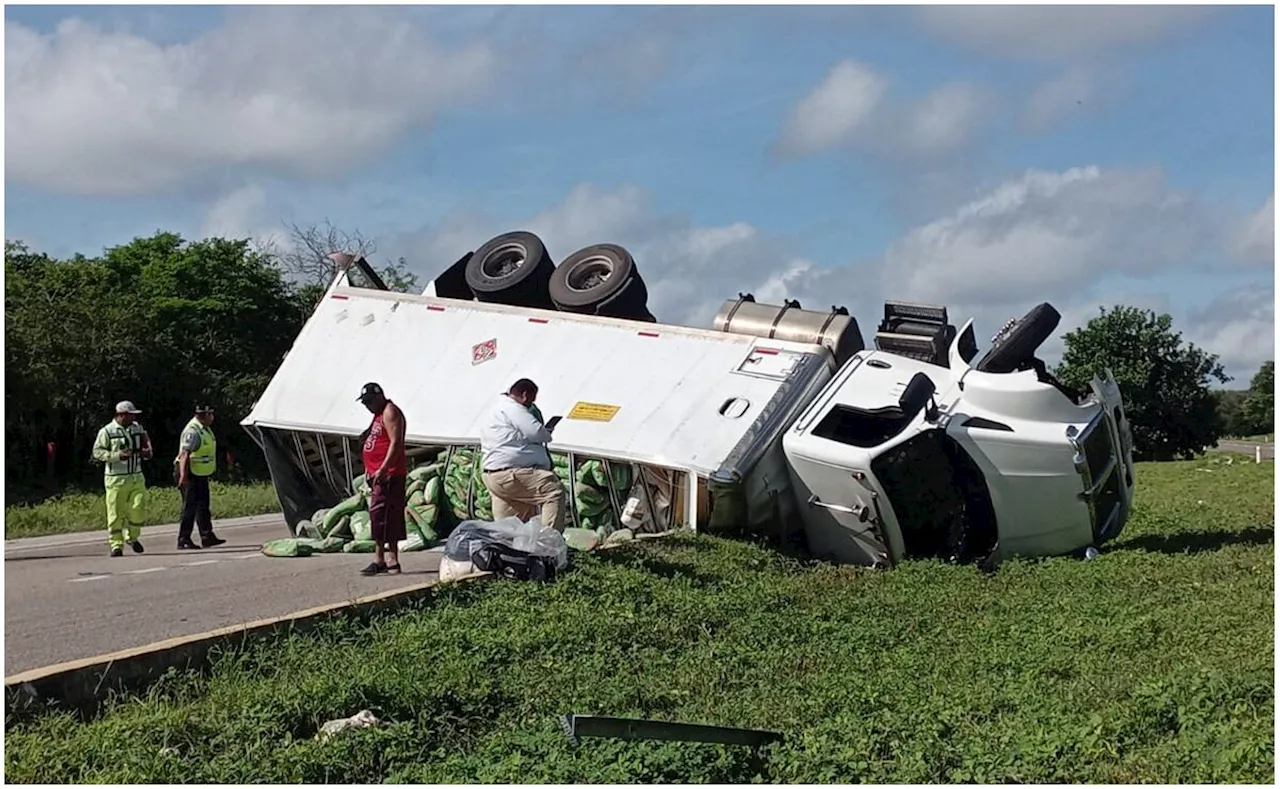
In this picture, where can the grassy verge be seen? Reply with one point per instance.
(1152, 663)
(88, 511)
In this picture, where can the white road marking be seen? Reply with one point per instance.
(197, 564)
(145, 570)
(94, 535)
(88, 578)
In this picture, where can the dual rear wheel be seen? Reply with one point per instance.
(516, 269)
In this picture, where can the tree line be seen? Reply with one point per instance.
(165, 322)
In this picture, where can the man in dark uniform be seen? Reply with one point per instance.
(196, 461)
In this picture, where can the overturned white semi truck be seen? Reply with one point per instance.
(777, 421)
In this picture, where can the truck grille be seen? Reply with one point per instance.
(1101, 471)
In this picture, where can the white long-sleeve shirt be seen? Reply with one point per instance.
(513, 438)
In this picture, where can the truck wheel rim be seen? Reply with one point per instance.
(505, 261)
(589, 274)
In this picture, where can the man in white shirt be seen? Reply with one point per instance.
(517, 466)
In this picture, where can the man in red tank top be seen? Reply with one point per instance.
(385, 468)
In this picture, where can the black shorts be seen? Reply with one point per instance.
(386, 511)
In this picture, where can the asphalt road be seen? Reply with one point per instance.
(66, 598)
(1245, 447)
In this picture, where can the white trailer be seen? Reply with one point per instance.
(871, 455)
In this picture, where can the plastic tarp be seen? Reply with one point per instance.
(299, 497)
(529, 537)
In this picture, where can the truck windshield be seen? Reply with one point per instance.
(939, 496)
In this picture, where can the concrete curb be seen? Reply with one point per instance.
(82, 684)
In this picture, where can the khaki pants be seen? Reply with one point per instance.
(523, 491)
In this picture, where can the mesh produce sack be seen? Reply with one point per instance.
(347, 508)
(361, 526)
(327, 545)
(413, 542)
(422, 521)
(287, 548)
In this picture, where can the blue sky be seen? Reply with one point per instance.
(984, 158)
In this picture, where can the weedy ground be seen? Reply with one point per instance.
(87, 511)
(1152, 663)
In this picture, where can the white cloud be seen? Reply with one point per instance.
(835, 110)
(242, 213)
(308, 92)
(1239, 326)
(848, 108)
(1070, 94)
(590, 215)
(1048, 232)
(232, 213)
(1256, 242)
(943, 120)
(1053, 32)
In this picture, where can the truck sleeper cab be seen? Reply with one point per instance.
(900, 458)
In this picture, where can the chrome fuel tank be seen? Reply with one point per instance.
(836, 330)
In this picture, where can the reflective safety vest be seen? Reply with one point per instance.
(113, 439)
(204, 458)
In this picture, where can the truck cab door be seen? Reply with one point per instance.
(838, 507)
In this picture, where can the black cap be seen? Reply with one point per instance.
(369, 391)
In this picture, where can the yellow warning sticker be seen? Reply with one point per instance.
(593, 412)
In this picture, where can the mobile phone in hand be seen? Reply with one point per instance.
(552, 422)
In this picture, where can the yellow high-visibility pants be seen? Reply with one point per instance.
(126, 497)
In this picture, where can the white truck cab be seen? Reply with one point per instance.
(903, 458)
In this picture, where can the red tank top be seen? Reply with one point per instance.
(376, 445)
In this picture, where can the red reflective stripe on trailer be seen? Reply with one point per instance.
(435, 308)
(647, 333)
(339, 296)
(539, 320)
(767, 351)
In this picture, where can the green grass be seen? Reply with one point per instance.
(1153, 663)
(1264, 438)
(88, 511)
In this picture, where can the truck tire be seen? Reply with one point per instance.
(513, 268)
(1018, 342)
(601, 279)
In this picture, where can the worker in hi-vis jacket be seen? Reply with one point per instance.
(121, 446)
(196, 461)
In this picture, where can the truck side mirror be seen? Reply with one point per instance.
(917, 395)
